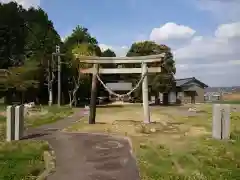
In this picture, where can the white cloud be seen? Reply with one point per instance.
(224, 42)
(206, 47)
(104, 47)
(213, 59)
(231, 30)
(119, 50)
(25, 3)
(170, 31)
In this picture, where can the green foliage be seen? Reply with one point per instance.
(29, 38)
(108, 53)
(23, 77)
(79, 35)
(82, 43)
(12, 34)
(159, 82)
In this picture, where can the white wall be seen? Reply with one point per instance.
(172, 97)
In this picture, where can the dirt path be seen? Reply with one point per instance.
(84, 156)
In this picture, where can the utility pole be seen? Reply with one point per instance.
(59, 74)
(50, 81)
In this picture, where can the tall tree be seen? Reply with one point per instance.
(79, 35)
(26, 36)
(12, 34)
(108, 53)
(79, 42)
(159, 82)
(78, 78)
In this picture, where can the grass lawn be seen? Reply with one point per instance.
(47, 115)
(177, 145)
(21, 160)
(227, 102)
(38, 116)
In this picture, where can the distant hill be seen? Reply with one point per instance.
(223, 89)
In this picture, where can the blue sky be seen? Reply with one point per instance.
(204, 35)
(123, 22)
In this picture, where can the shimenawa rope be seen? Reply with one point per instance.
(121, 95)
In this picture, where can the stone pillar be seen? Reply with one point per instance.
(145, 95)
(221, 121)
(19, 122)
(10, 130)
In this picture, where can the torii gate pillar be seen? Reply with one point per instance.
(145, 94)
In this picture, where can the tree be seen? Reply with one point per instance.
(79, 36)
(78, 77)
(159, 82)
(108, 53)
(26, 36)
(79, 42)
(12, 35)
(22, 78)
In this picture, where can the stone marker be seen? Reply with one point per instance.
(19, 122)
(221, 121)
(10, 123)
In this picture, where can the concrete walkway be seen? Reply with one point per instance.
(85, 156)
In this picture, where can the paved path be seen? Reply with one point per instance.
(85, 156)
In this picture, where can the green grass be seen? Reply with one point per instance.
(186, 154)
(53, 114)
(202, 159)
(226, 102)
(22, 160)
(2, 119)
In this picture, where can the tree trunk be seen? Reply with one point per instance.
(157, 101)
(22, 99)
(50, 97)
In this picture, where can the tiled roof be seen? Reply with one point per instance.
(182, 82)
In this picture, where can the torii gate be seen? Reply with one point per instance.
(144, 70)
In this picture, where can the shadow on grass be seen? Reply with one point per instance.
(166, 105)
(110, 106)
(235, 135)
(100, 123)
(34, 136)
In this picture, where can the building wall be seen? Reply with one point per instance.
(194, 91)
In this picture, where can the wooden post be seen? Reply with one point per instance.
(145, 94)
(93, 100)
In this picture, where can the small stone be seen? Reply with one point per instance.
(143, 146)
(153, 130)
